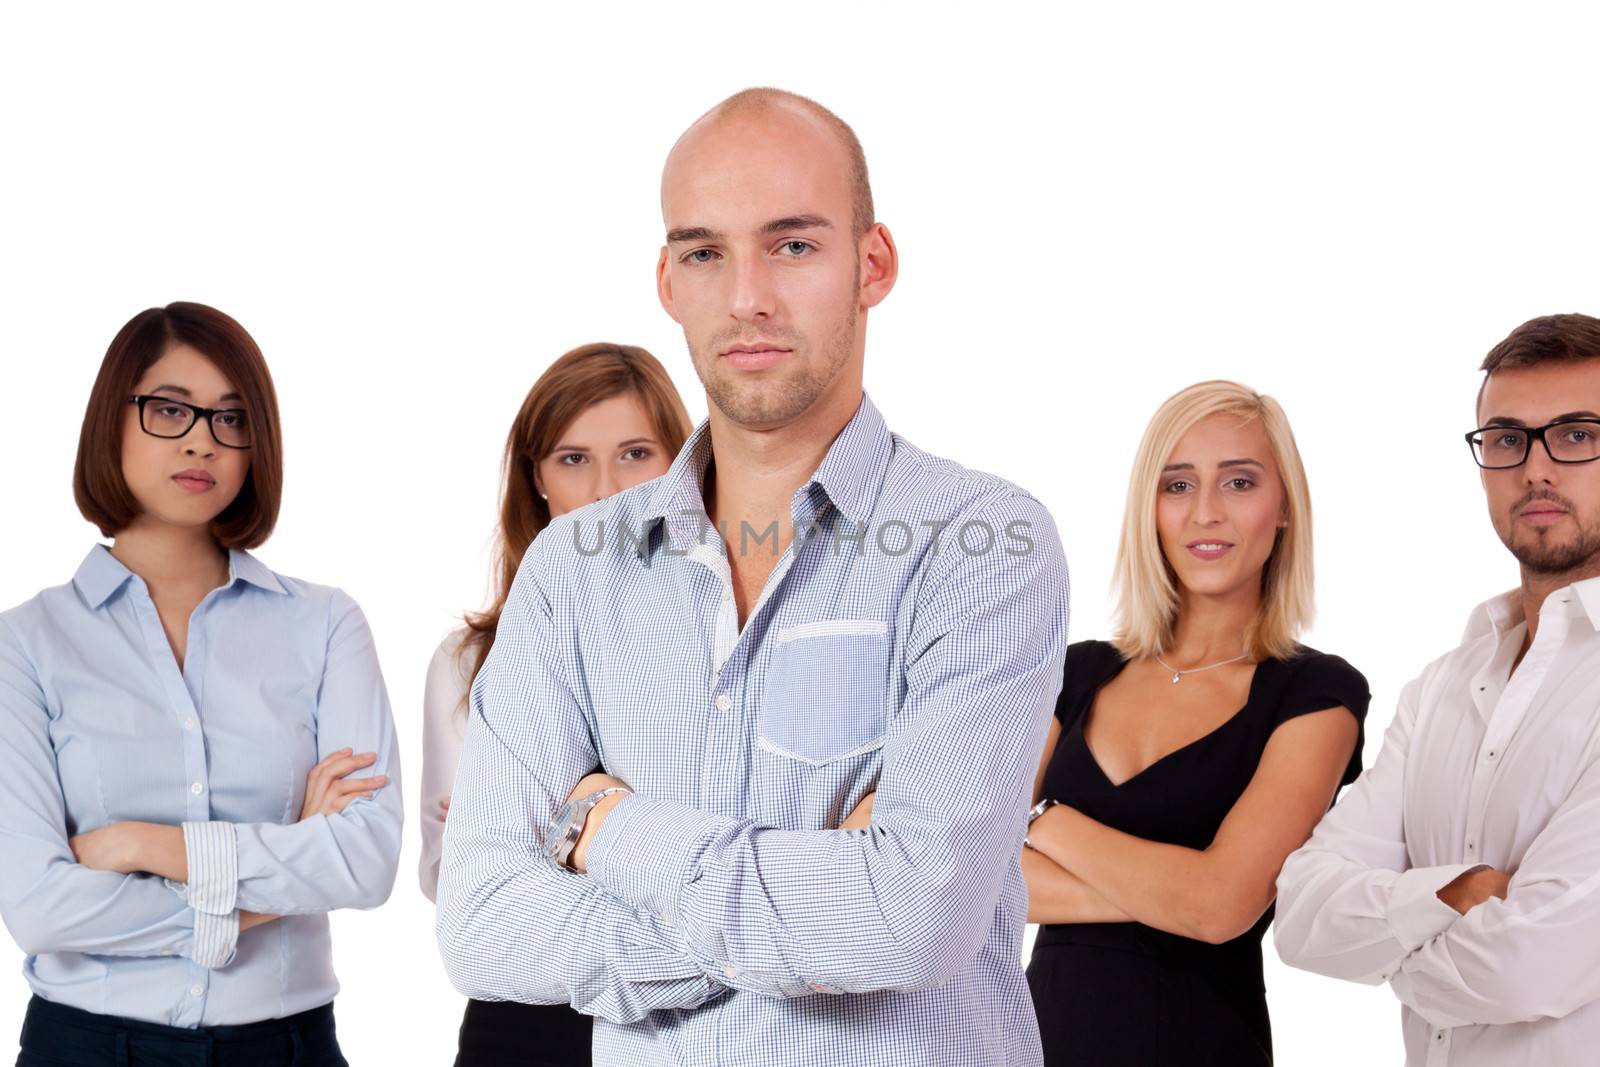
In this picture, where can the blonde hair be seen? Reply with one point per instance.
(1145, 583)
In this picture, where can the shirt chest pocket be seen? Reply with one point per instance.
(826, 691)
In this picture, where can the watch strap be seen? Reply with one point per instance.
(566, 826)
(1034, 812)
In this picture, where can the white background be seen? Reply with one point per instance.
(415, 209)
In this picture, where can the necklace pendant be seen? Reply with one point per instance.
(1176, 677)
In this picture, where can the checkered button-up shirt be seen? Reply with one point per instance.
(909, 641)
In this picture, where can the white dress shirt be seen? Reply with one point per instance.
(444, 726)
(1481, 766)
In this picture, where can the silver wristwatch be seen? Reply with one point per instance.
(566, 825)
(1037, 810)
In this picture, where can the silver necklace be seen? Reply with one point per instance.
(1177, 675)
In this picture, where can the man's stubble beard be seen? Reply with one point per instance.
(1545, 560)
(1582, 554)
(757, 403)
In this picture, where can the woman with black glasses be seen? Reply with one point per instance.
(197, 759)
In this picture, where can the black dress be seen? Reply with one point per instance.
(507, 1034)
(1128, 994)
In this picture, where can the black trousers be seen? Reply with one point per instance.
(506, 1034)
(54, 1035)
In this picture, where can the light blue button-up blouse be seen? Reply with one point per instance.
(99, 725)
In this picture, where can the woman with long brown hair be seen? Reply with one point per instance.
(601, 419)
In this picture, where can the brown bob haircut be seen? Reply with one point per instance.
(576, 381)
(97, 483)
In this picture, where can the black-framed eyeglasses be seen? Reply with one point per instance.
(162, 416)
(1498, 448)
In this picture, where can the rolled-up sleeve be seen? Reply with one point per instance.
(348, 860)
(212, 855)
(49, 902)
(908, 903)
(512, 926)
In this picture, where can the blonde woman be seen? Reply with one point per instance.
(1191, 753)
(602, 418)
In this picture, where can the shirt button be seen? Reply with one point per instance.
(196, 788)
(1492, 754)
(188, 724)
(730, 972)
(197, 990)
(724, 702)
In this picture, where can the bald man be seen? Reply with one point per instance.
(749, 782)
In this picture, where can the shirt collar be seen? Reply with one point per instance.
(1501, 613)
(1588, 599)
(244, 567)
(851, 472)
(101, 574)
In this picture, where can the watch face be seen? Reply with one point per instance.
(557, 830)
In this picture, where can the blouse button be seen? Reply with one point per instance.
(724, 702)
(197, 990)
(188, 724)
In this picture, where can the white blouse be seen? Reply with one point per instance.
(444, 725)
(1481, 766)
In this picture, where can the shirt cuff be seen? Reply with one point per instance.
(216, 939)
(648, 850)
(1415, 913)
(212, 851)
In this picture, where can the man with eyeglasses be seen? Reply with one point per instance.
(1463, 868)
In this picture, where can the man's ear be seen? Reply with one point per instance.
(664, 284)
(880, 264)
